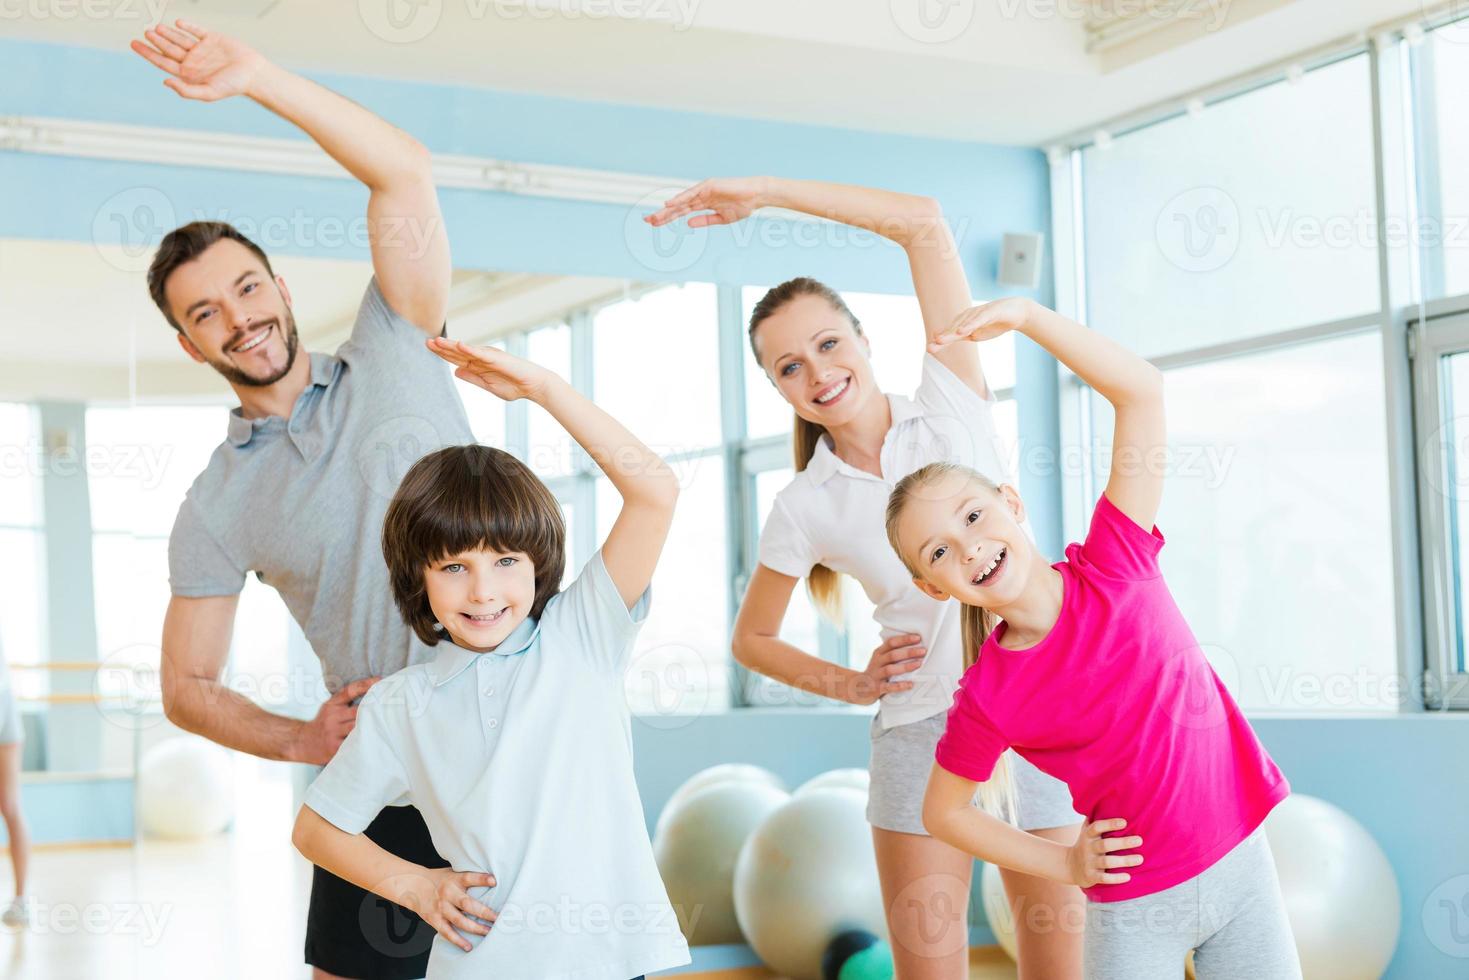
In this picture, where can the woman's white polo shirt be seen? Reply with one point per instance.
(833, 514)
(521, 762)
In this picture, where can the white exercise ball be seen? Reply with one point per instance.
(186, 789)
(729, 772)
(997, 909)
(696, 845)
(807, 874)
(857, 779)
(1340, 890)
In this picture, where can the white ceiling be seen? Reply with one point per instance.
(1003, 71)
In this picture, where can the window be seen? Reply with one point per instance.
(1443, 71)
(1279, 531)
(548, 447)
(1255, 216)
(486, 413)
(23, 543)
(1244, 225)
(656, 367)
(141, 462)
(1441, 376)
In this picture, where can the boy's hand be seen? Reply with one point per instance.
(986, 321)
(1090, 859)
(502, 375)
(441, 898)
(203, 66)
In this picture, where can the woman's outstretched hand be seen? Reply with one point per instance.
(201, 65)
(501, 374)
(728, 198)
(986, 321)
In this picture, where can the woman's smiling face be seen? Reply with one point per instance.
(820, 364)
(481, 595)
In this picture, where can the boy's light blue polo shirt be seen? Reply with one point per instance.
(520, 761)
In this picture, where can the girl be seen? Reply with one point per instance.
(852, 444)
(515, 741)
(1094, 676)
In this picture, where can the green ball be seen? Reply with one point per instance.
(873, 963)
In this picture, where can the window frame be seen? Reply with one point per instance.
(1404, 178)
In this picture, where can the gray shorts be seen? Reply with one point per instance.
(9, 716)
(1232, 915)
(902, 757)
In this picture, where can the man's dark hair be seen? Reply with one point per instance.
(186, 244)
(459, 499)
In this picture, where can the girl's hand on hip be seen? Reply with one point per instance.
(1091, 860)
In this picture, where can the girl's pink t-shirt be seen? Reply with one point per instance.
(1119, 702)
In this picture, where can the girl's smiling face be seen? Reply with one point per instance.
(481, 595)
(819, 363)
(964, 539)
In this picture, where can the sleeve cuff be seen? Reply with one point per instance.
(963, 768)
(607, 592)
(341, 817)
(948, 377)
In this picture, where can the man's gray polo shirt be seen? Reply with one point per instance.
(300, 501)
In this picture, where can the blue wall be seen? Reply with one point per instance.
(986, 190)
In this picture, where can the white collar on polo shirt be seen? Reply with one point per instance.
(452, 658)
(825, 462)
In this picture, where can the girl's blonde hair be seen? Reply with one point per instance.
(997, 794)
(824, 584)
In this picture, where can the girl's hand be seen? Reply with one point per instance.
(202, 66)
(894, 658)
(986, 321)
(730, 198)
(502, 375)
(1090, 860)
(443, 901)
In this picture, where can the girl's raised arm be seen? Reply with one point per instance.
(1132, 386)
(648, 487)
(913, 222)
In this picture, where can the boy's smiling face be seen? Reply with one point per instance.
(481, 595)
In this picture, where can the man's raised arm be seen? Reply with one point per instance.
(410, 248)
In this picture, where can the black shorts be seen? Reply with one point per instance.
(354, 933)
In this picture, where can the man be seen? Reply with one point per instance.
(297, 492)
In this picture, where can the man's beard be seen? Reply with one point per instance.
(235, 376)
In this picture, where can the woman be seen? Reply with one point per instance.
(852, 444)
(17, 913)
